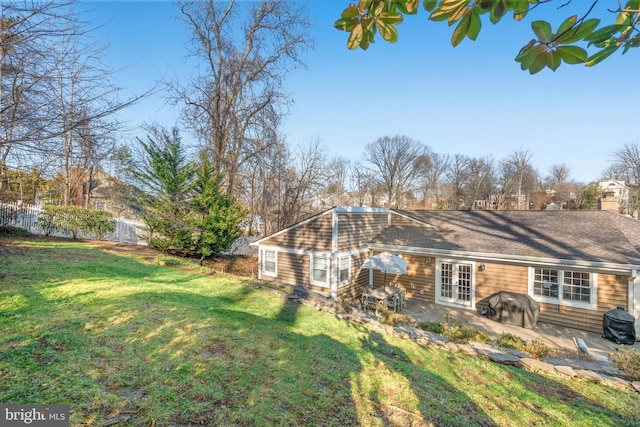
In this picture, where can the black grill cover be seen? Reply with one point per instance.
(511, 308)
(618, 326)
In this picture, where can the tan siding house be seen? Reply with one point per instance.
(324, 252)
(577, 264)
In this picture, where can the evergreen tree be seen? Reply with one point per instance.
(183, 202)
(216, 216)
(166, 176)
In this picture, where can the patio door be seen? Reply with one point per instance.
(455, 285)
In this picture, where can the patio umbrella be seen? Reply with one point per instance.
(386, 261)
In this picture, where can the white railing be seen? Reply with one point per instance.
(26, 216)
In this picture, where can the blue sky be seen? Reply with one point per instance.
(472, 99)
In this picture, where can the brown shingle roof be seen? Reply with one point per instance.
(593, 236)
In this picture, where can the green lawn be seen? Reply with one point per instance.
(121, 339)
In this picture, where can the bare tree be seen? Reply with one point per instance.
(480, 180)
(62, 98)
(366, 186)
(518, 178)
(284, 186)
(27, 30)
(399, 162)
(244, 49)
(303, 183)
(434, 174)
(457, 177)
(81, 95)
(626, 163)
(559, 183)
(337, 180)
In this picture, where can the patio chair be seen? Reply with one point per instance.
(401, 295)
(394, 303)
(369, 302)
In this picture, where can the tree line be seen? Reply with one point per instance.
(57, 98)
(58, 105)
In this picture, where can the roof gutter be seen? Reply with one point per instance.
(609, 267)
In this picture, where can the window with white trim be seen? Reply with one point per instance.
(320, 270)
(344, 270)
(564, 287)
(269, 263)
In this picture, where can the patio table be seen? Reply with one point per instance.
(389, 297)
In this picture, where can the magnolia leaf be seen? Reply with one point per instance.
(553, 60)
(438, 15)
(530, 57)
(520, 9)
(391, 18)
(409, 7)
(379, 7)
(497, 12)
(542, 29)
(624, 18)
(572, 54)
(350, 12)
(600, 56)
(542, 59)
(453, 5)
(632, 42)
(367, 39)
(579, 32)
(525, 49)
(429, 5)
(387, 31)
(474, 25)
(355, 37)
(461, 31)
(462, 11)
(602, 34)
(346, 24)
(567, 24)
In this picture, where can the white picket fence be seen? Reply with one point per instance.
(26, 216)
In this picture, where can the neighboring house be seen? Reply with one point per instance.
(615, 196)
(577, 264)
(94, 189)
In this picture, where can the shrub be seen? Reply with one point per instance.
(455, 331)
(627, 361)
(537, 349)
(75, 220)
(435, 327)
(98, 223)
(388, 317)
(13, 231)
(48, 219)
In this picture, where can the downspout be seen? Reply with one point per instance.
(634, 299)
(334, 255)
(259, 262)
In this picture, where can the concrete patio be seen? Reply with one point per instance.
(558, 337)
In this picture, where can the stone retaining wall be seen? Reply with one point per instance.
(598, 372)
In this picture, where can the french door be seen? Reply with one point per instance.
(456, 285)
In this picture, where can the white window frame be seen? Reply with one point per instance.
(266, 272)
(325, 283)
(593, 281)
(340, 269)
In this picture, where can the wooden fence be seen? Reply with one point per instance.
(26, 216)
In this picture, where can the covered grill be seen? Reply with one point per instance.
(510, 308)
(619, 326)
